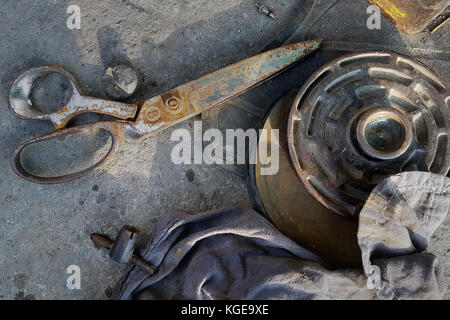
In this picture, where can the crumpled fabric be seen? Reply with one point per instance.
(395, 227)
(238, 254)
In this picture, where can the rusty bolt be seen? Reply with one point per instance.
(173, 104)
(152, 114)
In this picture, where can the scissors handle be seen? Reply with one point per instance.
(21, 105)
(111, 132)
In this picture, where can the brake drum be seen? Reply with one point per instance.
(356, 121)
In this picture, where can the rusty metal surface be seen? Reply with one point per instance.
(328, 140)
(153, 115)
(194, 97)
(412, 16)
(102, 241)
(286, 202)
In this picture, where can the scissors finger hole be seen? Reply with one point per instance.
(68, 154)
(51, 92)
(37, 92)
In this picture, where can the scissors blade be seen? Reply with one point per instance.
(192, 98)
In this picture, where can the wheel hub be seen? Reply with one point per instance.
(362, 118)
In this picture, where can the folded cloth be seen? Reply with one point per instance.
(238, 254)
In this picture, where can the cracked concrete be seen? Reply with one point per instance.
(44, 229)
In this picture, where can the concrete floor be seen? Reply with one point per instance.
(44, 229)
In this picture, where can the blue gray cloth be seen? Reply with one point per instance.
(238, 254)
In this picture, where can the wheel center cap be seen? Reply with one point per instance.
(383, 133)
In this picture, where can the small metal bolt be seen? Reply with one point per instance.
(120, 81)
(265, 11)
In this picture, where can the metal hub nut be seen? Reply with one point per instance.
(383, 133)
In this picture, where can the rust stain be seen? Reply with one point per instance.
(118, 131)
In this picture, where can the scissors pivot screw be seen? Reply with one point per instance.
(153, 114)
(174, 104)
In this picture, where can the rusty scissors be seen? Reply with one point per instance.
(136, 120)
